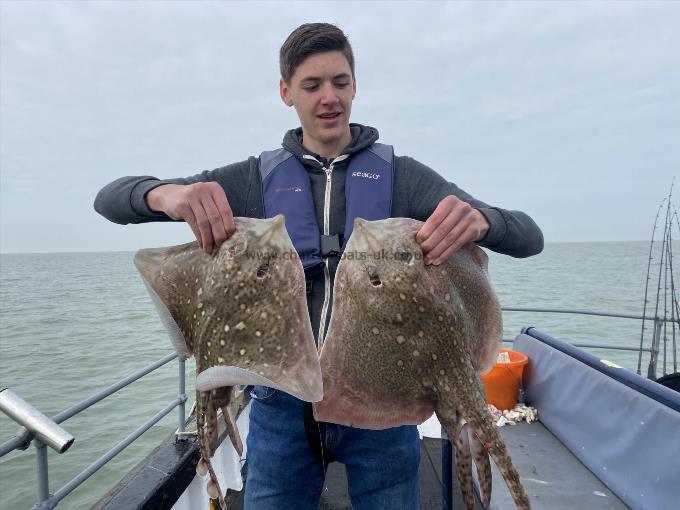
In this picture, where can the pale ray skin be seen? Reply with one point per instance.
(406, 340)
(242, 312)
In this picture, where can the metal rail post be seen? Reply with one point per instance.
(43, 476)
(183, 398)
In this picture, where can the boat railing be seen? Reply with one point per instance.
(655, 344)
(43, 431)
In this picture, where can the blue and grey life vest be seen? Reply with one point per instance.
(287, 190)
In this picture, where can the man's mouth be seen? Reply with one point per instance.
(332, 115)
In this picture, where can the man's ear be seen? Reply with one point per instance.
(285, 93)
(354, 87)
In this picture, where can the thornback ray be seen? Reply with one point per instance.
(408, 339)
(241, 311)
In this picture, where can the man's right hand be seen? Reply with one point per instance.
(203, 205)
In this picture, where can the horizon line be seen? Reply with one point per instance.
(135, 249)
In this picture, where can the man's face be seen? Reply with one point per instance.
(322, 89)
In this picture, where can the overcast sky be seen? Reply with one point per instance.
(568, 111)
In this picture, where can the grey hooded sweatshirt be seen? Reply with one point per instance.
(417, 190)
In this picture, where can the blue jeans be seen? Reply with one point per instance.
(382, 465)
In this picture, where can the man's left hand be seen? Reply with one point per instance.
(453, 224)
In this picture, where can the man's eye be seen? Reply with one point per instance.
(342, 84)
(311, 87)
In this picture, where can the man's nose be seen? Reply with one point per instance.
(328, 94)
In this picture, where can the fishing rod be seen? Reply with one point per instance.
(662, 340)
(649, 267)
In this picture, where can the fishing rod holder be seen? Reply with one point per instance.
(34, 422)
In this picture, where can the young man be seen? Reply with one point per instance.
(287, 450)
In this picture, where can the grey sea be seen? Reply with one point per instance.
(73, 323)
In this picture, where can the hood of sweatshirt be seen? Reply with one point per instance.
(362, 137)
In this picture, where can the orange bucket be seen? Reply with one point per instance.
(502, 382)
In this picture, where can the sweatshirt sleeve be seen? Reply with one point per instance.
(123, 201)
(512, 233)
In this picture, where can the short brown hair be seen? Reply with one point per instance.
(309, 39)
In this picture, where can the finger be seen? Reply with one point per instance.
(449, 239)
(467, 237)
(454, 218)
(215, 219)
(203, 225)
(188, 216)
(223, 207)
(440, 213)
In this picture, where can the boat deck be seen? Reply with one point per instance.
(552, 476)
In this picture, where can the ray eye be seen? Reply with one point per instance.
(373, 276)
(403, 255)
(263, 270)
(231, 252)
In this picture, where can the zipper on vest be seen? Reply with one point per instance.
(326, 231)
